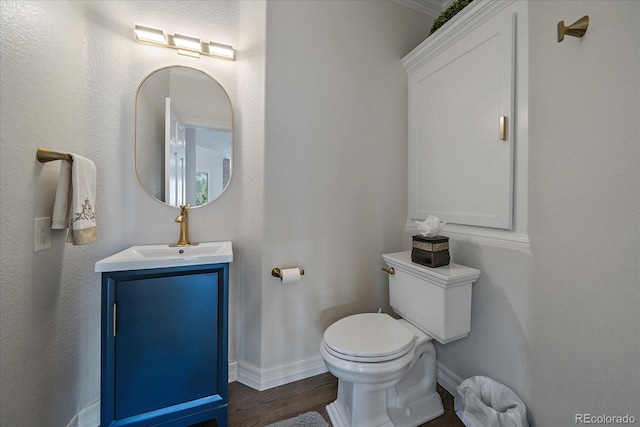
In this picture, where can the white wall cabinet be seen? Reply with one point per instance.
(461, 83)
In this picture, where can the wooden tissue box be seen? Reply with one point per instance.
(430, 251)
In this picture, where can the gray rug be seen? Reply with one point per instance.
(309, 419)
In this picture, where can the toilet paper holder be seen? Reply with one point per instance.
(277, 273)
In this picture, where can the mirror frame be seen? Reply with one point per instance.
(135, 135)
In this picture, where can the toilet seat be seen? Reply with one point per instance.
(368, 338)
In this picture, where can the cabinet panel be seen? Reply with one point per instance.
(459, 168)
(166, 342)
(164, 346)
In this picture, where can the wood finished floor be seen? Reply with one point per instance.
(251, 408)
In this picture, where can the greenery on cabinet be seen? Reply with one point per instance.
(449, 13)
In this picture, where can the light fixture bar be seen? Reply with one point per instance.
(221, 50)
(150, 35)
(187, 52)
(184, 44)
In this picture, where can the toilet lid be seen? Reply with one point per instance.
(368, 337)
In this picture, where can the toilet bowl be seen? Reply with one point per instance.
(374, 388)
(386, 367)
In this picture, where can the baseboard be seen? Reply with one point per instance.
(447, 378)
(74, 421)
(263, 379)
(233, 371)
(89, 416)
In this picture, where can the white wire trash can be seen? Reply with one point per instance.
(483, 402)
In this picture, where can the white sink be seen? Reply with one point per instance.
(162, 256)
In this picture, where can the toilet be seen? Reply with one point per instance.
(386, 367)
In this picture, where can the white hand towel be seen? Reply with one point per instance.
(75, 200)
(60, 216)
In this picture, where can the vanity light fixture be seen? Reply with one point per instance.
(187, 45)
(184, 44)
(223, 50)
(150, 35)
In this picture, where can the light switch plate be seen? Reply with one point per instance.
(41, 234)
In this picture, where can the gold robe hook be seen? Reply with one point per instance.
(577, 29)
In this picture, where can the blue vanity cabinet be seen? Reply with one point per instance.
(164, 346)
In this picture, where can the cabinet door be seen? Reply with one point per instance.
(166, 341)
(459, 168)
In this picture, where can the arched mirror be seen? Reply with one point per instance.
(183, 136)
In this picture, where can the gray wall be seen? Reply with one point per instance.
(71, 88)
(50, 313)
(335, 156)
(558, 322)
(584, 206)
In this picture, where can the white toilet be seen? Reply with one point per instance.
(386, 367)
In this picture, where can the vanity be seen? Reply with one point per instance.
(164, 333)
(164, 356)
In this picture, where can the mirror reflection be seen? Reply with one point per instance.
(184, 136)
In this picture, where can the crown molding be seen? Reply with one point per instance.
(432, 8)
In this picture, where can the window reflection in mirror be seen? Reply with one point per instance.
(184, 136)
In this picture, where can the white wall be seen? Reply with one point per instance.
(335, 162)
(584, 205)
(559, 322)
(48, 313)
(70, 71)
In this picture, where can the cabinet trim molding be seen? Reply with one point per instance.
(484, 236)
(467, 20)
(432, 112)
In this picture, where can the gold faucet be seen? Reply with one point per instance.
(183, 219)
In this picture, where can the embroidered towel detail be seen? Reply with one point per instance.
(83, 200)
(74, 206)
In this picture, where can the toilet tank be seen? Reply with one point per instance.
(436, 300)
